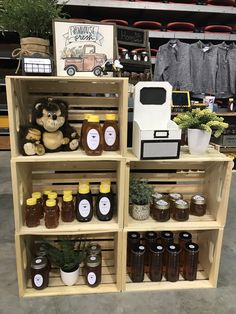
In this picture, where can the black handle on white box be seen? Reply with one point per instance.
(161, 134)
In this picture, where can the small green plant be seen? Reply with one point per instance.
(140, 192)
(201, 119)
(29, 18)
(69, 255)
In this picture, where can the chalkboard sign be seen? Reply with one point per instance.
(152, 96)
(131, 36)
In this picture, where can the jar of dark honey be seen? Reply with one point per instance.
(67, 208)
(137, 263)
(198, 205)
(134, 55)
(105, 202)
(45, 197)
(161, 210)
(84, 203)
(167, 237)
(92, 137)
(173, 197)
(184, 237)
(53, 196)
(144, 56)
(94, 249)
(181, 210)
(85, 121)
(156, 253)
(32, 215)
(125, 54)
(172, 262)
(93, 271)
(156, 197)
(150, 238)
(38, 196)
(39, 273)
(111, 133)
(133, 239)
(51, 214)
(190, 261)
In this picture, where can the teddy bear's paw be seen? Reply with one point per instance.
(74, 144)
(29, 149)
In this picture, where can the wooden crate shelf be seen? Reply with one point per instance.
(58, 176)
(210, 243)
(210, 175)
(111, 269)
(84, 95)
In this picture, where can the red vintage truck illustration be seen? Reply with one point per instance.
(83, 59)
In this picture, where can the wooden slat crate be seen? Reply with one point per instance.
(111, 267)
(84, 95)
(58, 176)
(210, 243)
(188, 176)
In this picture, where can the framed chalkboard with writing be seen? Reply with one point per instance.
(132, 36)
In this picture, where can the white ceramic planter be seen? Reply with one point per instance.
(198, 141)
(69, 279)
(140, 212)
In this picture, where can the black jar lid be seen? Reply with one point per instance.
(39, 263)
(133, 235)
(138, 249)
(167, 235)
(94, 248)
(192, 247)
(186, 236)
(157, 248)
(93, 260)
(173, 248)
(150, 235)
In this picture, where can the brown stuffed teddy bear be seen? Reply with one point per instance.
(50, 130)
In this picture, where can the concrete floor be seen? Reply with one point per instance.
(203, 301)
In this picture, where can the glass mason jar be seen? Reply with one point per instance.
(39, 273)
(93, 271)
(172, 262)
(161, 210)
(133, 239)
(38, 196)
(150, 238)
(167, 237)
(184, 237)
(156, 253)
(32, 215)
(181, 210)
(190, 261)
(173, 197)
(198, 205)
(137, 263)
(94, 249)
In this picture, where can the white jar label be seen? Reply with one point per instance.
(38, 280)
(141, 247)
(198, 198)
(191, 246)
(110, 136)
(91, 278)
(84, 208)
(104, 205)
(159, 247)
(38, 261)
(181, 202)
(162, 203)
(172, 247)
(185, 235)
(175, 195)
(93, 139)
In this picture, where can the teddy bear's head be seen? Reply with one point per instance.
(50, 114)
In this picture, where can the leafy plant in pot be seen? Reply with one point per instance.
(32, 20)
(201, 124)
(68, 256)
(140, 194)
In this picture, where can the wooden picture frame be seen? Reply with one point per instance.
(82, 48)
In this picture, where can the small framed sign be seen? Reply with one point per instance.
(180, 99)
(82, 48)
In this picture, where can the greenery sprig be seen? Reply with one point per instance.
(201, 119)
(29, 18)
(140, 192)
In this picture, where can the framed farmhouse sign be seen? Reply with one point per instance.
(82, 48)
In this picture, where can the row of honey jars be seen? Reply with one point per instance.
(163, 207)
(162, 255)
(96, 138)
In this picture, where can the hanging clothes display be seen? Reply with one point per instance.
(173, 65)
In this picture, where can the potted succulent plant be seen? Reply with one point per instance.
(32, 19)
(68, 256)
(140, 194)
(201, 124)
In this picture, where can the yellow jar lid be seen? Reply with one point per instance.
(93, 118)
(67, 192)
(83, 188)
(50, 202)
(105, 188)
(31, 201)
(52, 195)
(106, 182)
(46, 192)
(67, 198)
(110, 116)
(86, 116)
(37, 195)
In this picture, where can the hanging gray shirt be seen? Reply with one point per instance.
(173, 65)
(226, 71)
(203, 58)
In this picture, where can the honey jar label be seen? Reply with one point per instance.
(38, 280)
(162, 203)
(84, 208)
(175, 195)
(110, 136)
(93, 139)
(91, 278)
(181, 202)
(198, 198)
(104, 205)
